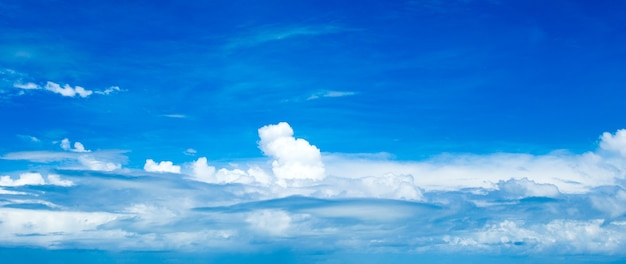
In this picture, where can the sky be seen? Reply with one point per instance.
(312, 131)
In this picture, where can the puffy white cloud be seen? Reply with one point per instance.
(201, 171)
(294, 159)
(78, 147)
(163, 166)
(463, 203)
(24, 179)
(34, 178)
(521, 188)
(67, 90)
(65, 144)
(91, 162)
(614, 142)
(54, 179)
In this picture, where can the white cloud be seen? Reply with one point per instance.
(91, 162)
(29, 138)
(78, 147)
(450, 203)
(34, 178)
(563, 236)
(273, 222)
(67, 90)
(517, 189)
(163, 166)
(190, 152)
(24, 179)
(65, 144)
(46, 228)
(614, 142)
(108, 160)
(26, 86)
(54, 179)
(570, 173)
(109, 90)
(330, 94)
(294, 159)
(201, 171)
(612, 202)
(179, 116)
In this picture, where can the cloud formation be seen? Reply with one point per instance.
(32, 178)
(78, 147)
(557, 203)
(67, 90)
(163, 166)
(294, 158)
(20, 82)
(330, 94)
(26, 86)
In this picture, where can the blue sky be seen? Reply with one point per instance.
(313, 130)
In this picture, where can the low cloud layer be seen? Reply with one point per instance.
(301, 198)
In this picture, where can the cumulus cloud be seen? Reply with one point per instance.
(54, 179)
(614, 142)
(163, 166)
(556, 203)
(78, 147)
(294, 158)
(34, 178)
(201, 171)
(24, 179)
(67, 90)
(91, 162)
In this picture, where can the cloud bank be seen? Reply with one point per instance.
(301, 198)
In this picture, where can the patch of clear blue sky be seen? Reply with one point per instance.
(428, 76)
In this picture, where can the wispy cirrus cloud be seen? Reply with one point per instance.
(271, 33)
(326, 94)
(22, 82)
(77, 158)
